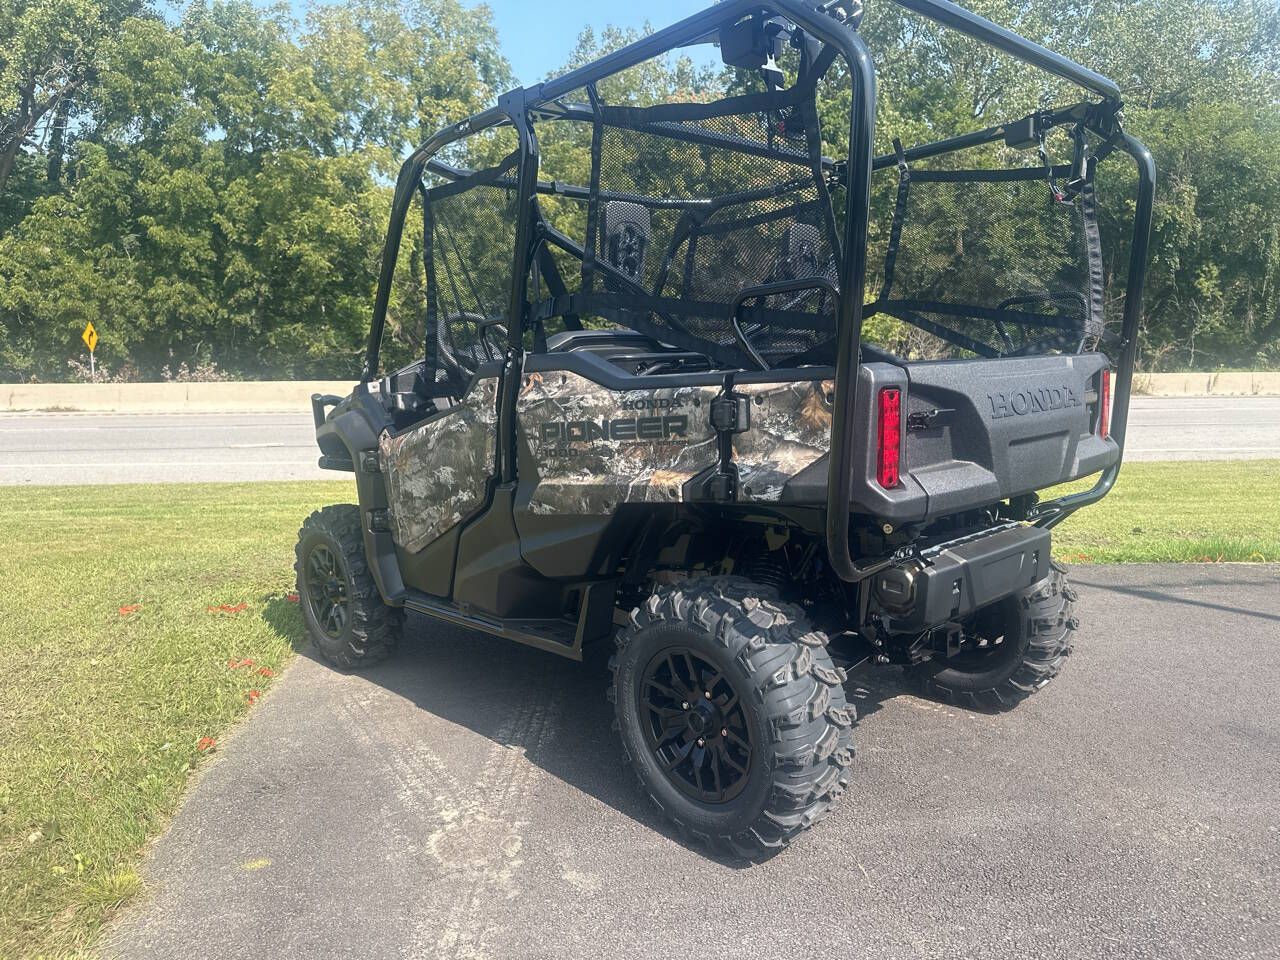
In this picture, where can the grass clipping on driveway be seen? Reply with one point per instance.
(132, 612)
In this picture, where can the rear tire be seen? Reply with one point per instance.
(1035, 629)
(771, 755)
(344, 613)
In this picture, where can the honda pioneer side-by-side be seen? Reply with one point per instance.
(709, 377)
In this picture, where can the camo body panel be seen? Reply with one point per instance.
(790, 430)
(437, 472)
(591, 476)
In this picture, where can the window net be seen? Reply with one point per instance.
(993, 262)
(469, 236)
(680, 216)
(693, 204)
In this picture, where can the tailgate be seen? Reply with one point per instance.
(985, 430)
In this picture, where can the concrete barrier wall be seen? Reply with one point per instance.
(294, 396)
(1208, 384)
(266, 396)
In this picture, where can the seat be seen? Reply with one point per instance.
(600, 341)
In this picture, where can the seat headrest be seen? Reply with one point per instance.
(624, 240)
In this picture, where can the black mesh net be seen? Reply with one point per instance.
(996, 262)
(694, 204)
(469, 228)
(688, 209)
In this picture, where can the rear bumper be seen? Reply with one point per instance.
(951, 580)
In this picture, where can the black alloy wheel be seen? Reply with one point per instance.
(731, 714)
(695, 725)
(326, 583)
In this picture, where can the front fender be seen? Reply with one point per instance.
(348, 439)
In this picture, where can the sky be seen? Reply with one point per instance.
(538, 35)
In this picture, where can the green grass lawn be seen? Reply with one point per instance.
(114, 668)
(103, 708)
(1179, 512)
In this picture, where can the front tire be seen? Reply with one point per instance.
(1028, 637)
(344, 613)
(731, 714)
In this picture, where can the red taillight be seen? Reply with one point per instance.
(890, 446)
(1104, 405)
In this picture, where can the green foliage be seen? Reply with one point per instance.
(1202, 78)
(230, 190)
(214, 188)
(1214, 290)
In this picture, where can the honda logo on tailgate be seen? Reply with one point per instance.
(1019, 403)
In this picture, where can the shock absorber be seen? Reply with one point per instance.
(769, 569)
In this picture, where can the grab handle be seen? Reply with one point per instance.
(770, 290)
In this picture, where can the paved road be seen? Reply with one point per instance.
(466, 801)
(157, 448)
(112, 448)
(1208, 428)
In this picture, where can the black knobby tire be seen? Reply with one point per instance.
(792, 703)
(1036, 628)
(368, 630)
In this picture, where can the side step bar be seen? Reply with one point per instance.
(556, 635)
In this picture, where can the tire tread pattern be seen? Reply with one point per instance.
(793, 683)
(375, 627)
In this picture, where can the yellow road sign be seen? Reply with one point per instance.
(90, 336)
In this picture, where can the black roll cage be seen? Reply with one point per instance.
(520, 106)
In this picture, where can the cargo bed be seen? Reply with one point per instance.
(974, 432)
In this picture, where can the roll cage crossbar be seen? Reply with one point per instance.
(520, 107)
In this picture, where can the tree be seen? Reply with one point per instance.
(393, 73)
(51, 51)
(230, 187)
(216, 187)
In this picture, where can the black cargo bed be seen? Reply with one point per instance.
(974, 432)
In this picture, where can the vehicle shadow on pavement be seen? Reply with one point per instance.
(551, 709)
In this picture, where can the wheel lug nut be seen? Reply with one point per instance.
(707, 694)
(684, 705)
(701, 742)
(724, 731)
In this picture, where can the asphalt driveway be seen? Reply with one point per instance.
(466, 801)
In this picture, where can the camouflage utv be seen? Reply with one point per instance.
(640, 408)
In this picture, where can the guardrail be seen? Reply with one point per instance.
(1207, 384)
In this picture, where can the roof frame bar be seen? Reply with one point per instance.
(516, 107)
(696, 28)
